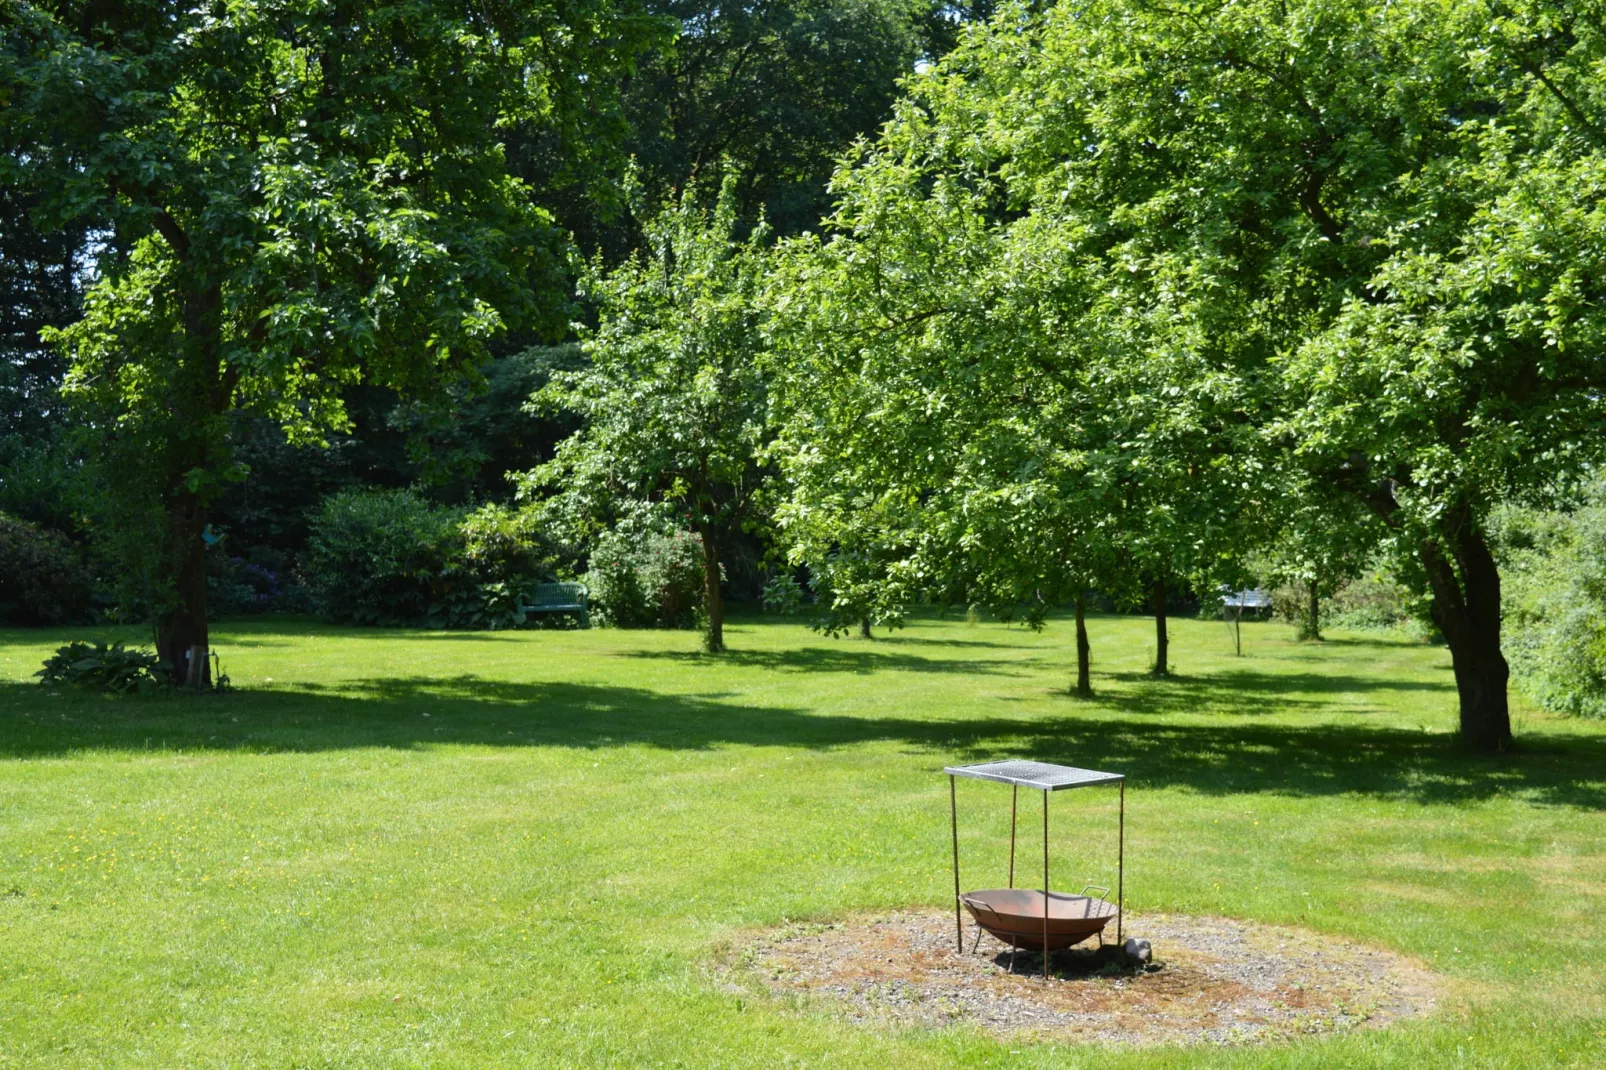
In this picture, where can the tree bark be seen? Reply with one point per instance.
(1162, 651)
(1315, 612)
(1466, 607)
(181, 627)
(713, 600)
(1084, 683)
(204, 393)
(864, 628)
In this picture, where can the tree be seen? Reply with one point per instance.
(674, 401)
(40, 287)
(966, 371)
(1321, 538)
(309, 196)
(779, 89)
(1360, 241)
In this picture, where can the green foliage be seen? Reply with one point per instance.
(1554, 596)
(778, 89)
(1376, 600)
(376, 557)
(42, 577)
(391, 557)
(101, 667)
(500, 543)
(1120, 281)
(783, 595)
(294, 199)
(674, 401)
(464, 440)
(855, 590)
(481, 606)
(641, 577)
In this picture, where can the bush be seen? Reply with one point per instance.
(100, 667)
(1553, 568)
(641, 579)
(42, 579)
(502, 545)
(784, 595)
(378, 556)
(258, 584)
(1375, 601)
(389, 557)
(482, 606)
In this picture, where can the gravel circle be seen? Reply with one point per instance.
(1213, 980)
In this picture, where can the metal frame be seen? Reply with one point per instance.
(1046, 778)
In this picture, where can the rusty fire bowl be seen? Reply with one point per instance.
(1015, 916)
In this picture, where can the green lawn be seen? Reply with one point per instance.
(448, 849)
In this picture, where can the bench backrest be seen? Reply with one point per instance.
(560, 594)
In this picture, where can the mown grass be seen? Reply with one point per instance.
(525, 849)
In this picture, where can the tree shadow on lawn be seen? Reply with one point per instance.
(1247, 692)
(1234, 758)
(861, 662)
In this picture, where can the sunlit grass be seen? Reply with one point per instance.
(523, 849)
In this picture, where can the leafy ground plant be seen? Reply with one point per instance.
(104, 667)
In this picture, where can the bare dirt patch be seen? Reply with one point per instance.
(1213, 980)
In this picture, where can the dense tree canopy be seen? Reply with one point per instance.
(1356, 240)
(303, 196)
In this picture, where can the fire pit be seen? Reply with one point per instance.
(1037, 919)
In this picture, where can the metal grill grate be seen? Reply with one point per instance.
(1040, 775)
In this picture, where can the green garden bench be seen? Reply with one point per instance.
(560, 598)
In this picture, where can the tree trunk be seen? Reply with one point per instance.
(1162, 652)
(205, 395)
(1315, 612)
(864, 628)
(181, 626)
(1084, 683)
(1466, 608)
(714, 602)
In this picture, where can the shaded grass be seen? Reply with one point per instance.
(312, 871)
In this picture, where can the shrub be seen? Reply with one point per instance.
(1554, 602)
(485, 606)
(389, 557)
(378, 556)
(42, 579)
(258, 584)
(783, 595)
(503, 545)
(1374, 601)
(102, 667)
(644, 578)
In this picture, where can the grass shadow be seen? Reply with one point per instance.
(1231, 758)
(859, 660)
(1245, 692)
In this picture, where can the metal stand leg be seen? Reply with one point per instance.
(1045, 885)
(953, 817)
(1120, 869)
(1014, 798)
